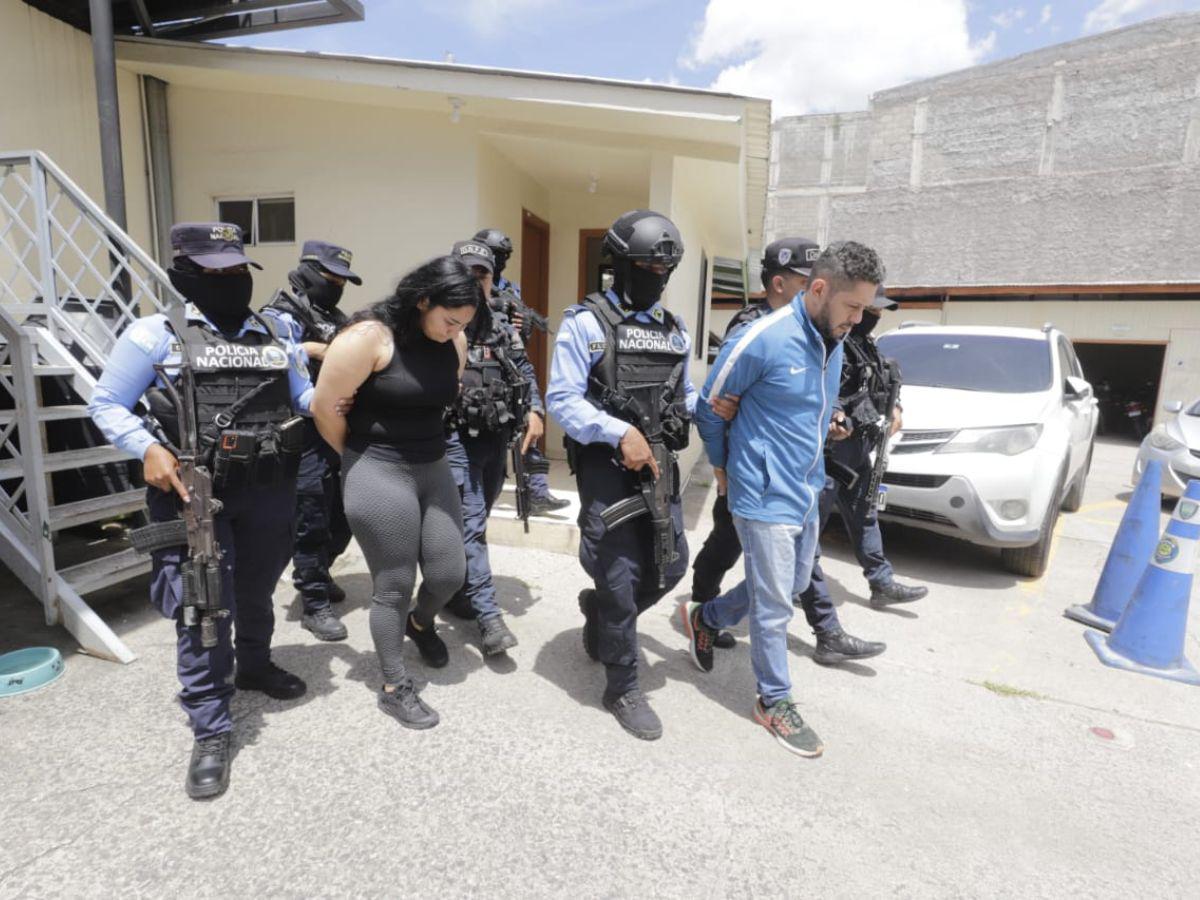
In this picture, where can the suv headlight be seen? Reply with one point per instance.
(1009, 441)
(1161, 440)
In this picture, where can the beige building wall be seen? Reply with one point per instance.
(49, 104)
(504, 191)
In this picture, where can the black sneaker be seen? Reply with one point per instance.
(324, 624)
(591, 640)
(495, 636)
(892, 592)
(405, 705)
(208, 770)
(460, 607)
(272, 681)
(539, 506)
(787, 726)
(835, 647)
(725, 640)
(700, 636)
(335, 592)
(432, 648)
(633, 711)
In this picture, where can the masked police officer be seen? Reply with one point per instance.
(249, 381)
(858, 427)
(311, 317)
(619, 387)
(499, 395)
(540, 500)
(786, 265)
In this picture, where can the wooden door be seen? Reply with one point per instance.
(535, 285)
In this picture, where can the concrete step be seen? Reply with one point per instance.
(49, 413)
(97, 509)
(96, 574)
(556, 532)
(66, 459)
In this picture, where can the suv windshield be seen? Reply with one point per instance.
(970, 362)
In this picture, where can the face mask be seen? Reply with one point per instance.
(640, 288)
(224, 299)
(498, 265)
(866, 326)
(316, 287)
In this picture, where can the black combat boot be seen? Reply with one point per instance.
(208, 771)
(633, 711)
(272, 681)
(891, 592)
(324, 625)
(835, 647)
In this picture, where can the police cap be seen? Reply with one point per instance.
(475, 253)
(333, 259)
(211, 245)
(791, 254)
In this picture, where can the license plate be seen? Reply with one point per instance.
(881, 499)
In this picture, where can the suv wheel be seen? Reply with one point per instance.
(1032, 561)
(1074, 498)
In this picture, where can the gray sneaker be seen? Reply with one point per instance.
(405, 705)
(783, 720)
(325, 625)
(495, 636)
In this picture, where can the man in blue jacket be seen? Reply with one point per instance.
(786, 369)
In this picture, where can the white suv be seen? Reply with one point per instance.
(997, 438)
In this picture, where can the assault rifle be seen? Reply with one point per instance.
(201, 571)
(512, 306)
(522, 472)
(871, 498)
(653, 499)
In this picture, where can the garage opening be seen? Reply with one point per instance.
(1126, 378)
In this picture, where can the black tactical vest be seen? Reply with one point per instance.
(639, 376)
(865, 382)
(242, 399)
(748, 314)
(495, 395)
(319, 324)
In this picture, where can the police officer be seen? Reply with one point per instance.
(619, 387)
(541, 500)
(311, 317)
(499, 394)
(249, 382)
(786, 265)
(862, 400)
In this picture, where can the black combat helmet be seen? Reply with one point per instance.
(500, 245)
(642, 236)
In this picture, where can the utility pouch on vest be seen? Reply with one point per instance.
(291, 436)
(233, 459)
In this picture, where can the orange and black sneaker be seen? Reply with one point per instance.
(783, 720)
(700, 636)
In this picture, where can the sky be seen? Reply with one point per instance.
(804, 55)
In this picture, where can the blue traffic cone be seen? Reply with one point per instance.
(1137, 536)
(1149, 636)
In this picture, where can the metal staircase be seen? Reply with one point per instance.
(70, 282)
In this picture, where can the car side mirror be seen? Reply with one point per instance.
(1076, 388)
(1174, 406)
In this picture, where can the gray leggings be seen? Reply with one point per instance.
(403, 513)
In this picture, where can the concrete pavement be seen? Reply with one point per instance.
(961, 762)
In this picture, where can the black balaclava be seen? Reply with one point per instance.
(638, 288)
(866, 326)
(307, 279)
(224, 299)
(501, 260)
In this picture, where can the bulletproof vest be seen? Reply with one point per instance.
(319, 324)
(639, 376)
(865, 381)
(495, 395)
(242, 398)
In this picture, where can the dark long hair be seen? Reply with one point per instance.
(444, 281)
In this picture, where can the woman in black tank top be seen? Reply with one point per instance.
(401, 360)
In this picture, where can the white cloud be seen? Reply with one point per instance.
(811, 57)
(1111, 14)
(1007, 18)
(1047, 11)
